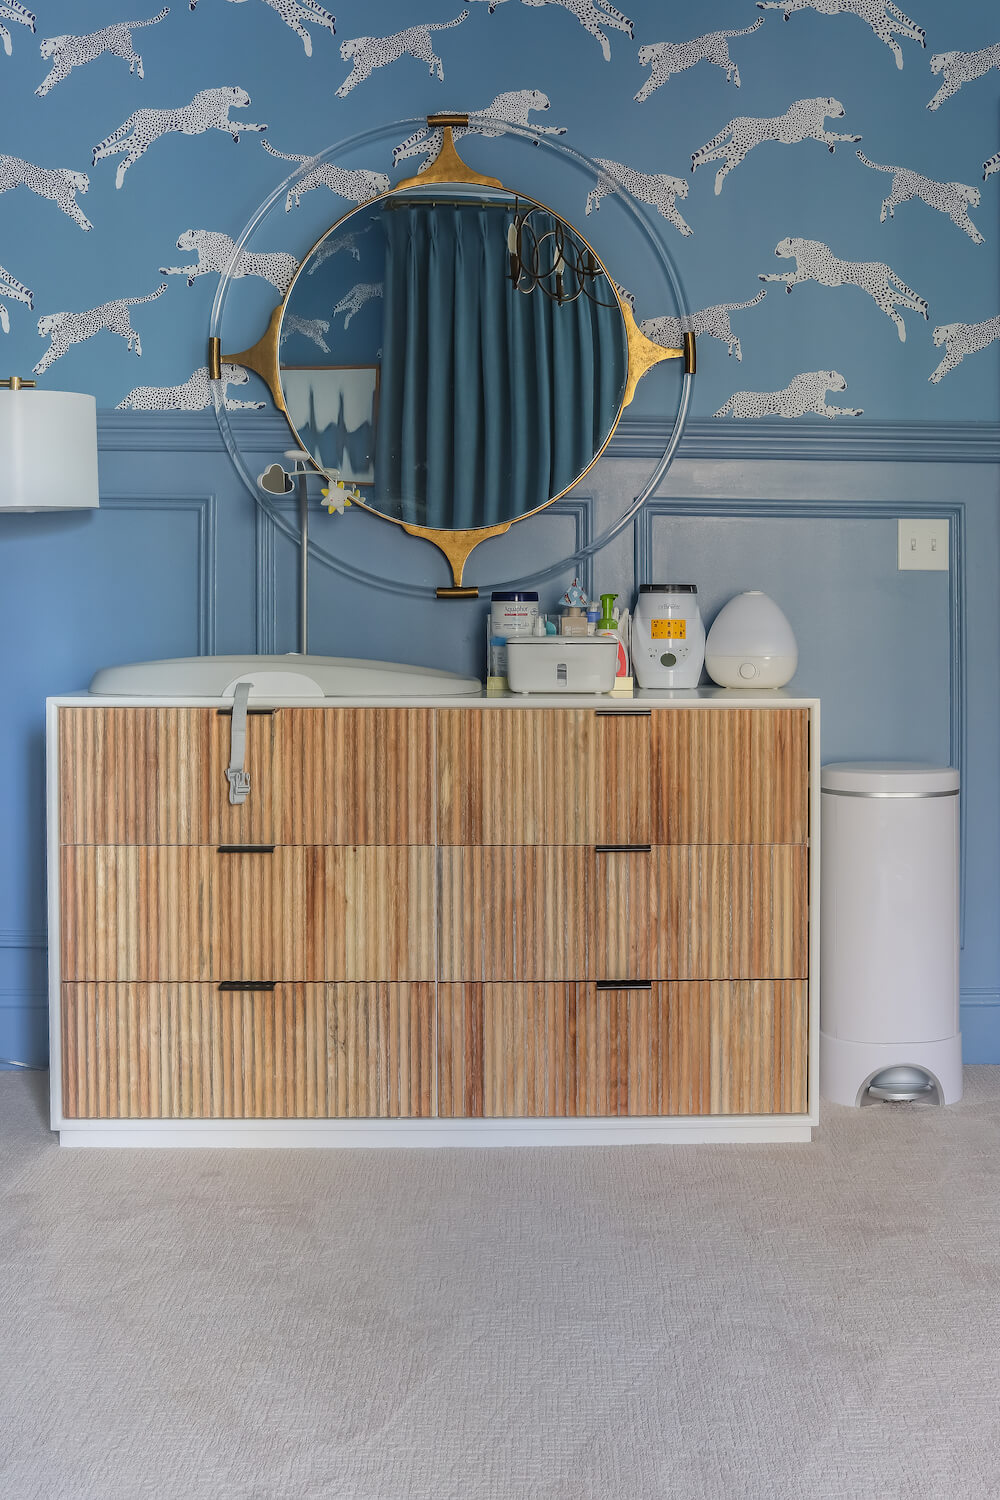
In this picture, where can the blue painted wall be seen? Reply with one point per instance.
(178, 561)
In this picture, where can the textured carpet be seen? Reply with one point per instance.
(595, 1324)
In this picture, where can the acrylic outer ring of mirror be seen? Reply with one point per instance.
(263, 359)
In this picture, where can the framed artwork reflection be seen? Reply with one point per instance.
(334, 408)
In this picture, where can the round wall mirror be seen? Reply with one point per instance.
(453, 352)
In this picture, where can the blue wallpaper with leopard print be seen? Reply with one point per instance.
(826, 174)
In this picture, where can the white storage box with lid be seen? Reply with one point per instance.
(889, 933)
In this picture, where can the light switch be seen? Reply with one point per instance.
(923, 546)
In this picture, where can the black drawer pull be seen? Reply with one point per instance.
(622, 848)
(260, 713)
(624, 713)
(624, 984)
(247, 984)
(245, 849)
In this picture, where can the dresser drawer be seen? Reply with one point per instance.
(158, 776)
(557, 1050)
(660, 912)
(189, 1051)
(178, 913)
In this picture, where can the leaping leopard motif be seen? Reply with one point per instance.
(991, 165)
(314, 329)
(960, 339)
(337, 246)
(658, 189)
(12, 11)
(11, 287)
(58, 183)
(66, 329)
(591, 14)
(803, 120)
(208, 110)
(882, 16)
(664, 59)
(356, 299)
(815, 261)
(366, 53)
(69, 52)
(512, 108)
(355, 184)
(293, 13)
(805, 394)
(951, 198)
(215, 252)
(959, 68)
(194, 395)
(712, 322)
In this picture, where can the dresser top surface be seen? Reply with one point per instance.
(691, 698)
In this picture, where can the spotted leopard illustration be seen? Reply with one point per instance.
(885, 19)
(960, 339)
(802, 121)
(991, 165)
(815, 261)
(355, 184)
(68, 52)
(208, 110)
(805, 394)
(513, 108)
(658, 189)
(951, 198)
(591, 14)
(711, 322)
(294, 13)
(11, 287)
(366, 53)
(12, 11)
(60, 184)
(341, 243)
(215, 253)
(194, 395)
(664, 59)
(959, 68)
(357, 297)
(314, 329)
(66, 329)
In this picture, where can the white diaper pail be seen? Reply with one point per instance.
(889, 934)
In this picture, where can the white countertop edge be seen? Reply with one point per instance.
(706, 697)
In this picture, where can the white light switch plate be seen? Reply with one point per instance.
(923, 546)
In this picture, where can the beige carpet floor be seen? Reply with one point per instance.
(620, 1324)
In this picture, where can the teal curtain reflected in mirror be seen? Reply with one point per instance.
(492, 400)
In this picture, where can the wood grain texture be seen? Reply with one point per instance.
(564, 1050)
(158, 776)
(356, 776)
(371, 913)
(682, 912)
(302, 1052)
(730, 776)
(542, 776)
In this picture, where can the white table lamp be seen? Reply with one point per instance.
(48, 448)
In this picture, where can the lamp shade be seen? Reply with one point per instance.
(48, 450)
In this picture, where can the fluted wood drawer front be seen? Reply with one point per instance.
(372, 913)
(701, 912)
(514, 913)
(555, 1050)
(187, 1051)
(542, 776)
(730, 776)
(182, 913)
(158, 776)
(356, 776)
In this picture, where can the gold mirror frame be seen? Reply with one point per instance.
(449, 168)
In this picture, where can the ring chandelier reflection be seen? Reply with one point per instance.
(263, 357)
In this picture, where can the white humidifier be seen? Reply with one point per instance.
(751, 644)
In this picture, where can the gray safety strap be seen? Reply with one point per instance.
(238, 778)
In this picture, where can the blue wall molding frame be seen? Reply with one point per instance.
(11, 938)
(637, 437)
(205, 508)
